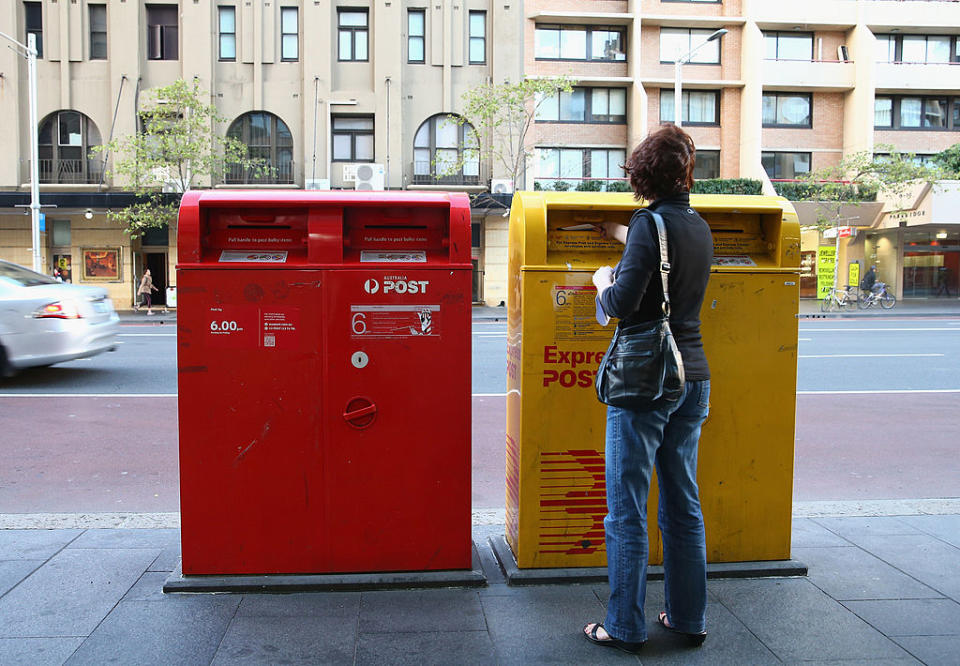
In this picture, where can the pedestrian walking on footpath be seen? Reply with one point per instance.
(145, 292)
(660, 170)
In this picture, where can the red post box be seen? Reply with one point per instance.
(324, 382)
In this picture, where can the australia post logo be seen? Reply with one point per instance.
(395, 284)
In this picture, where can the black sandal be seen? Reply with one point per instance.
(626, 646)
(695, 640)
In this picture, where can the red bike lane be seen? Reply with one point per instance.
(119, 454)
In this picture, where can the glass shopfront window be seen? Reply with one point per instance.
(931, 264)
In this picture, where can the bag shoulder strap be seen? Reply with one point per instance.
(664, 258)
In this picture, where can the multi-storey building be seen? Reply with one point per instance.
(312, 87)
(318, 87)
(789, 88)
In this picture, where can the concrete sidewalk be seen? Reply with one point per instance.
(880, 589)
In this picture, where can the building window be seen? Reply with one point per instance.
(98, 32)
(787, 110)
(785, 166)
(268, 140)
(923, 113)
(445, 152)
(33, 13)
(788, 45)
(352, 32)
(64, 142)
(352, 138)
(162, 40)
(707, 164)
(926, 49)
(416, 35)
(563, 42)
(699, 107)
(289, 34)
(678, 42)
(584, 105)
(228, 33)
(478, 38)
(570, 168)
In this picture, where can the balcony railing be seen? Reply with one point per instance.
(269, 174)
(69, 172)
(422, 176)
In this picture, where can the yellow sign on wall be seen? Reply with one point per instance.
(853, 273)
(826, 264)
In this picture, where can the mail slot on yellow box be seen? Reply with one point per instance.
(556, 498)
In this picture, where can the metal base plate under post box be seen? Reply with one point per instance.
(517, 576)
(344, 582)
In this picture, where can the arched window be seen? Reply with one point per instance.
(65, 140)
(445, 152)
(268, 139)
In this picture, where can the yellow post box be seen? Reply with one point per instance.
(556, 498)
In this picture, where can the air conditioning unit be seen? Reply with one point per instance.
(369, 177)
(501, 186)
(349, 173)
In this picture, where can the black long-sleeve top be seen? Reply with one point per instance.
(636, 295)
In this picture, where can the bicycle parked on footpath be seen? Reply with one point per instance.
(838, 298)
(878, 294)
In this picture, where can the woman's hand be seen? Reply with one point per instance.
(612, 230)
(603, 279)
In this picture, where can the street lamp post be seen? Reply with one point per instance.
(677, 86)
(30, 52)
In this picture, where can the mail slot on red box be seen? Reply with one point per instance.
(324, 382)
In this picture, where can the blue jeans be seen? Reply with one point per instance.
(636, 441)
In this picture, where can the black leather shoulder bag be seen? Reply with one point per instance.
(642, 368)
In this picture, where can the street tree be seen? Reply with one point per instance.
(949, 161)
(174, 150)
(502, 115)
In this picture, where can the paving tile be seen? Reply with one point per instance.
(932, 650)
(34, 544)
(910, 617)
(728, 642)
(441, 648)
(807, 533)
(946, 528)
(543, 624)
(654, 601)
(72, 592)
(926, 558)
(148, 588)
(168, 559)
(341, 606)
(852, 573)
(37, 651)
(419, 610)
(288, 640)
(128, 538)
(567, 648)
(854, 526)
(14, 571)
(185, 631)
(797, 621)
(905, 661)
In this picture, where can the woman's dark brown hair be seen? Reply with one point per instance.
(662, 165)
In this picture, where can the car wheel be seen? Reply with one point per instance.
(6, 369)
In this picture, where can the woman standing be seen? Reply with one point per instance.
(660, 170)
(146, 291)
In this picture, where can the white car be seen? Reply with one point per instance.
(43, 321)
